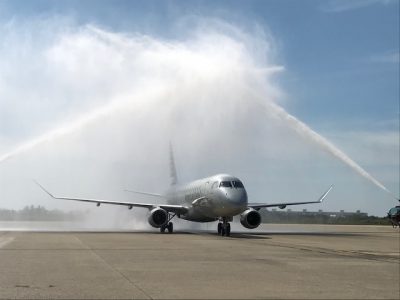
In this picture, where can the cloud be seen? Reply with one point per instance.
(337, 6)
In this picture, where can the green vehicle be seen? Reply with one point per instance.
(394, 216)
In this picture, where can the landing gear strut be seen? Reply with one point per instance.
(169, 226)
(224, 227)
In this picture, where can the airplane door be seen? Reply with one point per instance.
(211, 187)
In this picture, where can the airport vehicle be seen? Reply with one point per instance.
(394, 216)
(215, 198)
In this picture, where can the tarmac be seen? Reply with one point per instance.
(277, 261)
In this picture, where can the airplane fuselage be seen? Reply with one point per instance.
(210, 198)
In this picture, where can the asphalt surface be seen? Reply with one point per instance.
(278, 261)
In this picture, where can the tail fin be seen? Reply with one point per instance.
(172, 168)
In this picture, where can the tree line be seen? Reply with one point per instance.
(39, 213)
(321, 218)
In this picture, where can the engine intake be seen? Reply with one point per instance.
(250, 218)
(158, 217)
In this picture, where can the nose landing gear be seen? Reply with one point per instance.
(224, 227)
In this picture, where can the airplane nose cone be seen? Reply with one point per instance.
(237, 197)
(233, 201)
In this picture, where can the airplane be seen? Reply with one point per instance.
(215, 198)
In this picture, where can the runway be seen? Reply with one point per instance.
(277, 261)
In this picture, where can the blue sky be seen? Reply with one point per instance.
(340, 59)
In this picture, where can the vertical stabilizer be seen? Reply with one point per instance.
(172, 168)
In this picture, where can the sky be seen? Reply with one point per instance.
(92, 92)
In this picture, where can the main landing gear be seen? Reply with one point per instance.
(224, 227)
(169, 225)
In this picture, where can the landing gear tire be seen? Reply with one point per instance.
(222, 230)
(162, 229)
(219, 228)
(228, 229)
(170, 227)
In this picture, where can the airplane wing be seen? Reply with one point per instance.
(145, 193)
(282, 205)
(168, 207)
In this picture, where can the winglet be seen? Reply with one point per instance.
(325, 194)
(46, 191)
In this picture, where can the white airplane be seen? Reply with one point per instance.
(215, 198)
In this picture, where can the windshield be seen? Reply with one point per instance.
(225, 184)
(237, 184)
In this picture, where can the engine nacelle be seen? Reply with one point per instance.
(158, 217)
(250, 218)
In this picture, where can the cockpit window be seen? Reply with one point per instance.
(238, 184)
(225, 184)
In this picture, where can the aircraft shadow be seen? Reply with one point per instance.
(234, 234)
(270, 234)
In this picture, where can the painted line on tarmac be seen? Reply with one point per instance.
(5, 241)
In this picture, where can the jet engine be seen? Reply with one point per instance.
(158, 217)
(250, 218)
